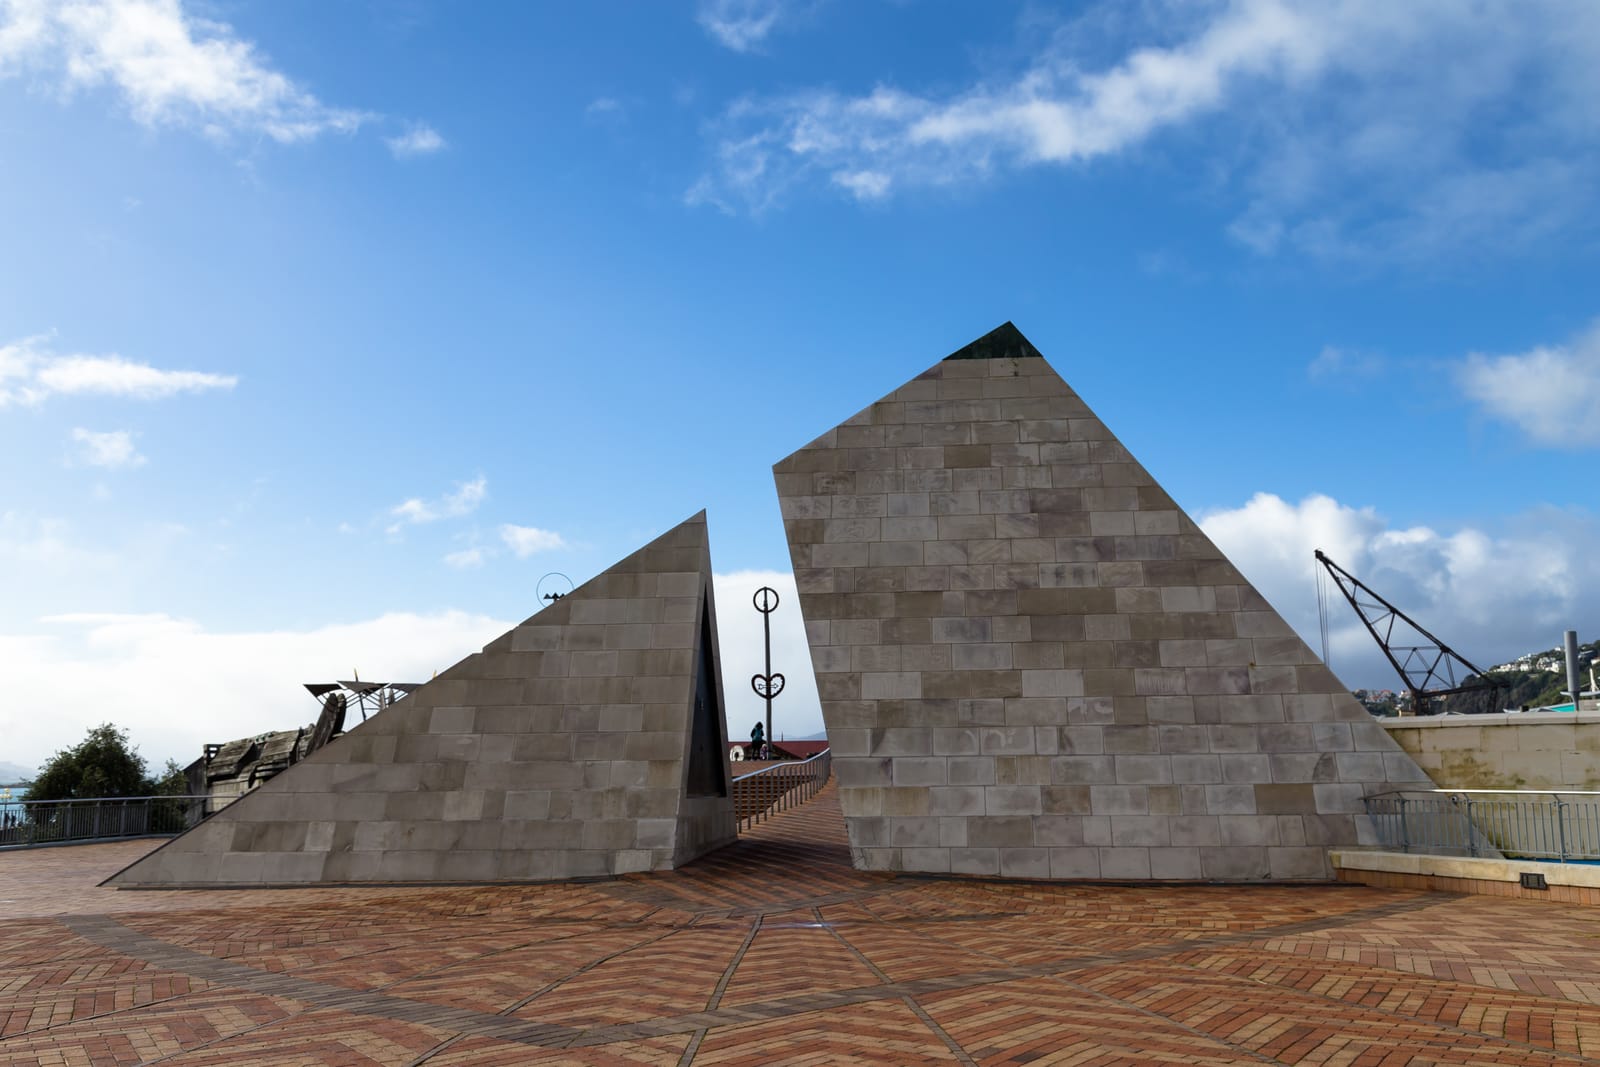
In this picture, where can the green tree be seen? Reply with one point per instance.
(172, 783)
(103, 764)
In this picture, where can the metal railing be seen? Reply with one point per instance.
(27, 823)
(1512, 823)
(766, 792)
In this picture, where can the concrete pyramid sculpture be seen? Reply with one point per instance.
(1033, 664)
(588, 741)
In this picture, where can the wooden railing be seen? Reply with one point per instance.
(779, 787)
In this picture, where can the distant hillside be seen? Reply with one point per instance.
(1533, 680)
(1551, 659)
(12, 773)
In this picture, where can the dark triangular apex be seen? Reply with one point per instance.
(562, 750)
(1002, 342)
(1034, 664)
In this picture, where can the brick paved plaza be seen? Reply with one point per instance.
(776, 951)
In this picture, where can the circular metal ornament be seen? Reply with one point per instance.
(765, 600)
(553, 586)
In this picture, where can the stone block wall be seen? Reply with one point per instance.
(1034, 664)
(567, 748)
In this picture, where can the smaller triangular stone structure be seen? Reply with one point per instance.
(589, 741)
(1033, 663)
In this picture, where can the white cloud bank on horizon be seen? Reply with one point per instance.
(176, 684)
(30, 373)
(796, 712)
(1325, 93)
(1550, 392)
(173, 68)
(1491, 596)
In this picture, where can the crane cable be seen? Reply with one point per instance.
(1322, 609)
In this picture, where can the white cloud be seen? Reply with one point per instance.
(1343, 364)
(114, 449)
(524, 541)
(173, 68)
(179, 685)
(30, 372)
(1490, 595)
(465, 559)
(464, 500)
(741, 25)
(1318, 94)
(421, 140)
(796, 712)
(169, 67)
(42, 545)
(1550, 392)
(865, 184)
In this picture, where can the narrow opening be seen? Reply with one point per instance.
(708, 773)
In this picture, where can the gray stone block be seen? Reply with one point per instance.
(975, 861)
(1025, 863)
(1175, 864)
(1295, 864)
(1131, 864)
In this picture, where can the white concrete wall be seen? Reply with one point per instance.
(1527, 750)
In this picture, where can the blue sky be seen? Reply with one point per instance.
(327, 329)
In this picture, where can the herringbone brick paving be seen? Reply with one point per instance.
(774, 951)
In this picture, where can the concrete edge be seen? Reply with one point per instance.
(1487, 870)
(1493, 718)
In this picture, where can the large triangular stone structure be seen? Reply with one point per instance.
(1034, 664)
(588, 741)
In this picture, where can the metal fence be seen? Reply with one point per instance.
(25, 823)
(779, 787)
(1517, 824)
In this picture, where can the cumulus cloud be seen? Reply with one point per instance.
(741, 25)
(30, 373)
(419, 140)
(797, 711)
(179, 684)
(113, 450)
(465, 559)
(462, 501)
(1550, 392)
(1491, 595)
(1318, 94)
(172, 68)
(524, 541)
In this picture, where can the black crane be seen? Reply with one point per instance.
(1429, 670)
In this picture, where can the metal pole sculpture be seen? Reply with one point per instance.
(767, 685)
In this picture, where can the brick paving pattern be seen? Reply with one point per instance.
(775, 951)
